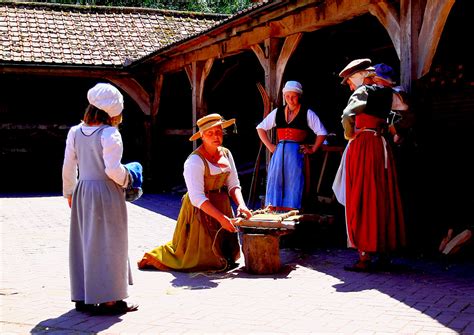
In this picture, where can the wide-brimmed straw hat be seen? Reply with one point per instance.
(210, 121)
(354, 67)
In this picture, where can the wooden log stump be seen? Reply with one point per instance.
(262, 253)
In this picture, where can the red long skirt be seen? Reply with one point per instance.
(374, 214)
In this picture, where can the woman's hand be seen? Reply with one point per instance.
(69, 200)
(271, 147)
(243, 211)
(307, 149)
(228, 224)
(397, 139)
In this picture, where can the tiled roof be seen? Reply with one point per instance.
(95, 36)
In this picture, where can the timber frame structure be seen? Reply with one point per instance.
(145, 52)
(272, 30)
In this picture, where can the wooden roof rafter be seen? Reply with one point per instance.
(415, 31)
(389, 17)
(307, 16)
(436, 12)
(134, 90)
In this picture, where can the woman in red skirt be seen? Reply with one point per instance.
(366, 182)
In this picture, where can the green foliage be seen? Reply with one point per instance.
(204, 6)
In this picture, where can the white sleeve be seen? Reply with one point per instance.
(269, 122)
(233, 179)
(194, 178)
(315, 123)
(112, 152)
(69, 172)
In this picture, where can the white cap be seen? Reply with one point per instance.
(106, 97)
(293, 86)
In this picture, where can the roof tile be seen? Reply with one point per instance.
(84, 35)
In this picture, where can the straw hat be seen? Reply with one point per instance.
(354, 67)
(210, 121)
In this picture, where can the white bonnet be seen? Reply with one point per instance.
(293, 86)
(106, 97)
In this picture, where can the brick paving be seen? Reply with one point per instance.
(312, 295)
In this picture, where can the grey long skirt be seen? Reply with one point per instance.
(98, 250)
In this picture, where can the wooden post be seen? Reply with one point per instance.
(287, 50)
(410, 20)
(435, 15)
(150, 126)
(197, 74)
(261, 253)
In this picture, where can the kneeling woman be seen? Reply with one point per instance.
(205, 238)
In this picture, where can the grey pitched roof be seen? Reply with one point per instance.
(91, 36)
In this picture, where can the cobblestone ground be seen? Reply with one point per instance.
(312, 295)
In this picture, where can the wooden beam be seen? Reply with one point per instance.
(322, 14)
(289, 47)
(272, 50)
(312, 18)
(274, 10)
(198, 72)
(59, 71)
(262, 58)
(195, 81)
(157, 95)
(434, 19)
(135, 91)
(389, 18)
(148, 148)
(189, 73)
(268, 58)
(410, 21)
(205, 72)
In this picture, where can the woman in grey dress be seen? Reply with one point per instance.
(93, 183)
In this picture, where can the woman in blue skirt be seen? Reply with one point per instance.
(286, 171)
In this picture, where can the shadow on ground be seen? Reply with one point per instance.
(440, 288)
(73, 322)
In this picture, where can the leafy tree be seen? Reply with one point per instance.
(205, 6)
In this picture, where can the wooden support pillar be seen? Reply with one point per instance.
(287, 50)
(149, 126)
(148, 145)
(273, 59)
(389, 17)
(435, 15)
(410, 22)
(415, 33)
(135, 90)
(155, 106)
(272, 48)
(197, 74)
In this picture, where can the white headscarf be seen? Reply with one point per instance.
(293, 86)
(106, 97)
